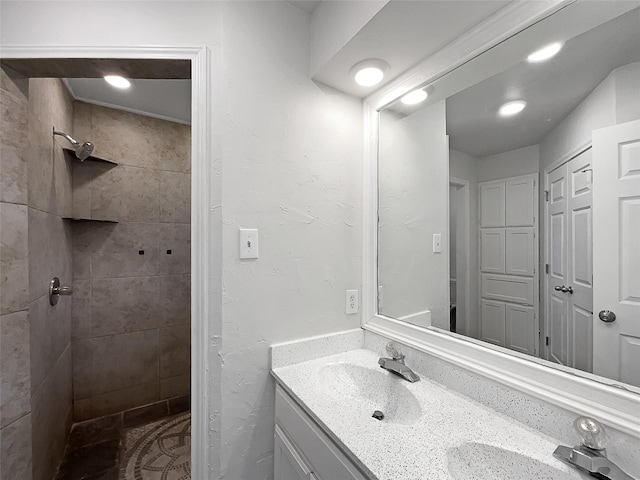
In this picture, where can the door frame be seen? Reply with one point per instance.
(463, 189)
(202, 214)
(545, 325)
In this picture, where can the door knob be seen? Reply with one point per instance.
(568, 290)
(55, 290)
(607, 316)
(563, 289)
(558, 288)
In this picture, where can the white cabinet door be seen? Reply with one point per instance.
(288, 464)
(520, 251)
(520, 206)
(493, 322)
(492, 250)
(492, 203)
(520, 328)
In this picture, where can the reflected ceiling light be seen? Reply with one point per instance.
(545, 53)
(414, 97)
(512, 108)
(117, 81)
(369, 72)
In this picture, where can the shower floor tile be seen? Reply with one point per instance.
(158, 451)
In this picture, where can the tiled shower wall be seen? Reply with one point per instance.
(36, 245)
(131, 303)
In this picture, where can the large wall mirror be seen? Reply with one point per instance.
(520, 228)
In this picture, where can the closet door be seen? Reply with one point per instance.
(492, 250)
(520, 328)
(520, 251)
(520, 208)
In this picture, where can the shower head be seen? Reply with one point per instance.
(83, 150)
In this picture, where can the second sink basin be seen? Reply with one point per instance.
(479, 461)
(367, 390)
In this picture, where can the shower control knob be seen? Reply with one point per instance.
(55, 290)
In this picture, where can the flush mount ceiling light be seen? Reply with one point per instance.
(545, 53)
(414, 97)
(117, 81)
(512, 108)
(370, 72)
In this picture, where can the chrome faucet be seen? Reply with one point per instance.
(396, 365)
(591, 455)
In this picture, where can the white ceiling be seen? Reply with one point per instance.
(166, 99)
(403, 33)
(552, 90)
(306, 5)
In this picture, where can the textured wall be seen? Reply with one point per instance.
(15, 370)
(414, 173)
(131, 304)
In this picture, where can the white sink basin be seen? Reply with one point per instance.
(368, 390)
(479, 461)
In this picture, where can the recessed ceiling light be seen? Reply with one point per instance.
(545, 53)
(414, 97)
(512, 108)
(369, 72)
(117, 81)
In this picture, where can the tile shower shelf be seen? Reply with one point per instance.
(77, 219)
(91, 158)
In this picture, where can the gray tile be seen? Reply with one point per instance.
(95, 431)
(176, 147)
(123, 361)
(82, 176)
(50, 333)
(116, 401)
(177, 238)
(49, 252)
(175, 350)
(51, 418)
(126, 194)
(14, 261)
(175, 197)
(82, 368)
(13, 134)
(148, 413)
(119, 253)
(15, 373)
(175, 386)
(90, 460)
(121, 305)
(81, 309)
(179, 404)
(15, 454)
(175, 299)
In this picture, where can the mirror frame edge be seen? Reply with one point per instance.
(613, 405)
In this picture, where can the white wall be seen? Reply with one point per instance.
(513, 163)
(414, 173)
(465, 167)
(288, 162)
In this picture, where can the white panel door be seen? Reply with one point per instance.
(492, 250)
(288, 464)
(492, 204)
(493, 322)
(557, 302)
(616, 246)
(520, 328)
(520, 251)
(520, 208)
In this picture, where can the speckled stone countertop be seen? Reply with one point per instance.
(429, 431)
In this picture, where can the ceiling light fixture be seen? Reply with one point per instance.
(414, 97)
(369, 72)
(545, 53)
(512, 108)
(117, 81)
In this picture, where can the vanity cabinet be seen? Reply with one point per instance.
(302, 450)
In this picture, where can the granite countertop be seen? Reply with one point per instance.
(429, 431)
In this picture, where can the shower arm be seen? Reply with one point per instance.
(73, 142)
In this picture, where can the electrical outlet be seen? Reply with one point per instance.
(351, 306)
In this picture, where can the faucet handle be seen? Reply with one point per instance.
(393, 350)
(591, 432)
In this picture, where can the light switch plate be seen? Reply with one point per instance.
(437, 243)
(248, 243)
